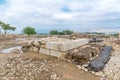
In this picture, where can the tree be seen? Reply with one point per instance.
(6, 27)
(53, 32)
(11, 28)
(64, 32)
(29, 31)
(1, 23)
(67, 32)
(61, 33)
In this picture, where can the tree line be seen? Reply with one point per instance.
(7, 28)
(30, 31)
(64, 32)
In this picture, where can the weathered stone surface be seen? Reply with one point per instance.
(43, 42)
(36, 43)
(44, 51)
(43, 46)
(80, 58)
(82, 54)
(54, 46)
(30, 43)
(31, 49)
(99, 63)
(35, 49)
(25, 48)
(55, 53)
(96, 65)
(66, 46)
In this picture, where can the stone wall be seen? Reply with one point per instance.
(57, 47)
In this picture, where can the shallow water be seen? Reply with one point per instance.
(9, 49)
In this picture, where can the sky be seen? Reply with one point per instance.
(76, 15)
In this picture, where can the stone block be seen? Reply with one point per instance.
(35, 49)
(44, 51)
(54, 45)
(66, 46)
(57, 54)
(43, 46)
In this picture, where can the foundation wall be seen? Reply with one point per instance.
(59, 50)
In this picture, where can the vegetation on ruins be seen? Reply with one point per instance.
(29, 31)
(6, 27)
(64, 32)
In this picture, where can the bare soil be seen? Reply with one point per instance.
(65, 70)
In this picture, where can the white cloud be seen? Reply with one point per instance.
(23, 13)
(106, 30)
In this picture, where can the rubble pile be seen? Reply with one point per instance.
(112, 68)
(83, 54)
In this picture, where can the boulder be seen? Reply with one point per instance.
(30, 49)
(35, 49)
(25, 47)
(43, 42)
(36, 43)
(30, 43)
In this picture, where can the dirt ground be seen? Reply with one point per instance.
(64, 69)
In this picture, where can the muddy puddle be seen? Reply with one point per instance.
(9, 49)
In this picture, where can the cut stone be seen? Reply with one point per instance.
(55, 53)
(44, 51)
(66, 46)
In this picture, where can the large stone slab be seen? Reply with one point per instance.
(60, 46)
(55, 53)
(52, 52)
(99, 63)
(44, 51)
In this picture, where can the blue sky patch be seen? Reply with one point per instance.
(2, 1)
(66, 9)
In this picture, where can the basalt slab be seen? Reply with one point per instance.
(99, 63)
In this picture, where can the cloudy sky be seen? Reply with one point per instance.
(77, 15)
